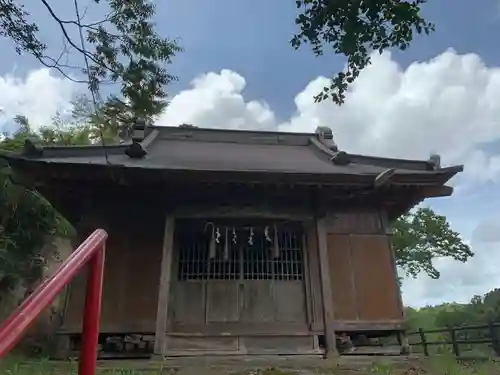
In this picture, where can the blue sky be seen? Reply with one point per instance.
(251, 37)
(239, 70)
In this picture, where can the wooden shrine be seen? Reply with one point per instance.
(234, 242)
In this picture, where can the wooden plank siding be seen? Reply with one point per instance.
(362, 271)
(131, 274)
(374, 278)
(342, 277)
(362, 288)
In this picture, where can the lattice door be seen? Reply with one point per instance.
(254, 282)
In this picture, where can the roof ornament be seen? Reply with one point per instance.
(323, 140)
(187, 126)
(136, 150)
(139, 130)
(325, 136)
(434, 161)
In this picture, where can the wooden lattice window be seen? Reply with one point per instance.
(263, 262)
(235, 256)
(194, 262)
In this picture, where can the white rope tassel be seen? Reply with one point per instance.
(212, 246)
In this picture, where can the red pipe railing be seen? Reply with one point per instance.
(91, 253)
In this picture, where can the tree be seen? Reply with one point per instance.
(491, 305)
(121, 48)
(421, 236)
(479, 312)
(27, 219)
(93, 126)
(355, 28)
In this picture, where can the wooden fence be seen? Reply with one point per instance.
(477, 341)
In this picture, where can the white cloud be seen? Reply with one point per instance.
(447, 105)
(460, 281)
(216, 102)
(38, 96)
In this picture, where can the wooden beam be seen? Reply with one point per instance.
(438, 191)
(405, 348)
(307, 281)
(370, 325)
(388, 233)
(326, 288)
(164, 290)
(384, 178)
(254, 211)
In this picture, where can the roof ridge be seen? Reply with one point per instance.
(229, 130)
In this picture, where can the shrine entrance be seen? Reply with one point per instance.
(236, 282)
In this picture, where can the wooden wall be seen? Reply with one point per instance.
(362, 270)
(132, 270)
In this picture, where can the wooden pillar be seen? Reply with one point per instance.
(164, 290)
(326, 288)
(402, 336)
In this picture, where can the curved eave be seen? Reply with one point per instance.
(43, 172)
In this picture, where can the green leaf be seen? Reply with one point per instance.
(420, 237)
(355, 28)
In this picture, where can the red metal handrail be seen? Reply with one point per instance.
(90, 252)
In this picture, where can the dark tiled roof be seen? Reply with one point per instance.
(194, 149)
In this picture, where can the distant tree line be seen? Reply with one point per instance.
(480, 311)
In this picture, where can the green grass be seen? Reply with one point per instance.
(442, 365)
(434, 366)
(20, 366)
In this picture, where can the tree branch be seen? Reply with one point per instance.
(70, 41)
